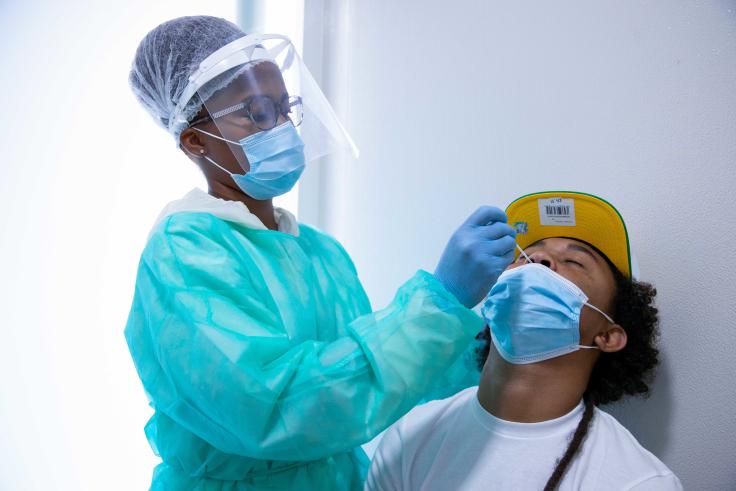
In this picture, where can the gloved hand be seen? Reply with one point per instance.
(476, 255)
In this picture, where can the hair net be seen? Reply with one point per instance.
(165, 59)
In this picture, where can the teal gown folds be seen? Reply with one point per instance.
(264, 364)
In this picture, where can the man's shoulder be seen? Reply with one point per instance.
(618, 438)
(621, 448)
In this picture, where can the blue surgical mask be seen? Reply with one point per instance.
(534, 314)
(276, 159)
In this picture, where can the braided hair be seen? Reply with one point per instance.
(614, 375)
(572, 448)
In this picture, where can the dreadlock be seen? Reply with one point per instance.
(577, 439)
(625, 372)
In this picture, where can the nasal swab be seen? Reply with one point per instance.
(524, 253)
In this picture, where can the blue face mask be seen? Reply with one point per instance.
(276, 159)
(534, 314)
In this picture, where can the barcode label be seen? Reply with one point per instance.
(557, 211)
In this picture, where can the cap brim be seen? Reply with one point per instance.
(574, 215)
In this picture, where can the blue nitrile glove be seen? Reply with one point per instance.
(476, 255)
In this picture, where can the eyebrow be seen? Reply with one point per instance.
(578, 247)
(570, 246)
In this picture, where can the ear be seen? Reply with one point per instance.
(612, 339)
(191, 144)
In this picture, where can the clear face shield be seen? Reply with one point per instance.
(259, 83)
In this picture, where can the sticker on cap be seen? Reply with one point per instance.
(557, 211)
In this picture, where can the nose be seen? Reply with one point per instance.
(541, 257)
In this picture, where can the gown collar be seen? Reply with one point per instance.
(197, 200)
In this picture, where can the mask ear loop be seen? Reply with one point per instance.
(608, 318)
(207, 157)
(219, 166)
(212, 161)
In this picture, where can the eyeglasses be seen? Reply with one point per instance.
(262, 110)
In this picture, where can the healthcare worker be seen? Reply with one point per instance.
(251, 333)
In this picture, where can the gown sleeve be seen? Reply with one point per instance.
(214, 355)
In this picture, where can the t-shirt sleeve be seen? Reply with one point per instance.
(386, 472)
(666, 482)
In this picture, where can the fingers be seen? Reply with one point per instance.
(485, 215)
(508, 257)
(504, 246)
(496, 230)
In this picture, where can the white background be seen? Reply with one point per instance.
(453, 105)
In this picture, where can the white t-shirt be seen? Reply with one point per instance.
(455, 444)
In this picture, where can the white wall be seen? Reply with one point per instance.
(84, 172)
(456, 104)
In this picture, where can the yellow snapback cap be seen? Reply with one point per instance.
(573, 215)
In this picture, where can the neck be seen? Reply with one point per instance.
(534, 392)
(263, 209)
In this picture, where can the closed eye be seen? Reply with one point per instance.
(574, 262)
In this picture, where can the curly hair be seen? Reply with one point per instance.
(631, 370)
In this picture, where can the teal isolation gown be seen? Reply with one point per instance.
(263, 360)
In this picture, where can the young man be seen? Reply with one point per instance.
(569, 329)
